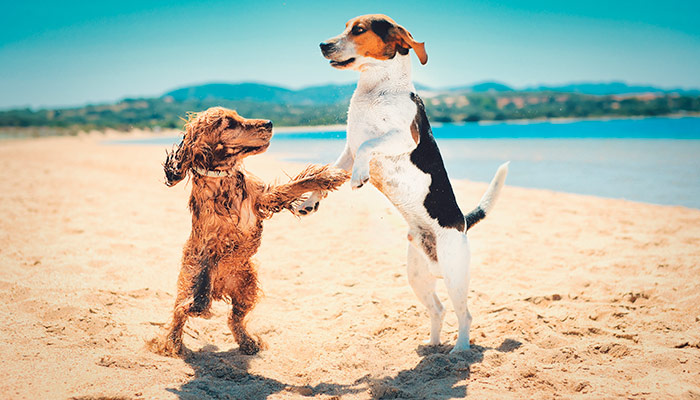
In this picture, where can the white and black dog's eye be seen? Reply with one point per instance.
(358, 30)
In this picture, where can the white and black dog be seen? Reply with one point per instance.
(390, 144)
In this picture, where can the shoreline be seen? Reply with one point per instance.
(491, 151)
(285, 158)
(282, 130)
(566, 120)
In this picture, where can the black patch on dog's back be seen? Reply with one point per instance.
(440, 202)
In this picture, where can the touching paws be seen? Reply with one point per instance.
(309, 206)
(317, 180)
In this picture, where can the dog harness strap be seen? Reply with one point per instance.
(212, 174)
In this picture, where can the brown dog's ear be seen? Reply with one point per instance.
(418, 47)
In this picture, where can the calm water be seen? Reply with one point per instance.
(649, 160)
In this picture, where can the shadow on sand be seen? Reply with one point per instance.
(224, 375)
(436, 375)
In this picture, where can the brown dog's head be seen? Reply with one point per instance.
(216, 140)
(368, 39)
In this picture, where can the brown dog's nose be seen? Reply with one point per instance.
(268, 124)
(325, 46)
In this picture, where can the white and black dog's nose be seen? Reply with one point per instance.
(326, 47)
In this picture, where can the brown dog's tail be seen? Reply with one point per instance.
(313, 178)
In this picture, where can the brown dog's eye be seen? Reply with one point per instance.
(358, 30)
(220, 151)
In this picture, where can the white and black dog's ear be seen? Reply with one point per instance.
(418, 47)
(389, 31)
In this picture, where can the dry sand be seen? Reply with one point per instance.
(572, 296)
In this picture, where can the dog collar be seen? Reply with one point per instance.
(212, 174)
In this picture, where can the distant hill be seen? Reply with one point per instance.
(326, 94)
(238, 91)
(338, 93)
(604, 89)
(591, 88)
(328, 104)
(323, 94)
(258, 92)
(482, 87)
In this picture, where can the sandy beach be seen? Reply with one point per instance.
(572, 296)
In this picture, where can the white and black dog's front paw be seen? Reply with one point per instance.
(360, 176)
(308, 206)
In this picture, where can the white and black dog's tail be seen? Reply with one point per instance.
(488, 200)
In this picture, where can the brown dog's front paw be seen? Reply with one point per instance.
(308, 206)
(308, 209)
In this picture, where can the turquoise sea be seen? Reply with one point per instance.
(653, 160)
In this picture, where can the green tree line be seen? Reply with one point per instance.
(469, 107)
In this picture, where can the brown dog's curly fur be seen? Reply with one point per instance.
(227, 215)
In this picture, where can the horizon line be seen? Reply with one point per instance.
(292, 88)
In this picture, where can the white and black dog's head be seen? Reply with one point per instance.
(369, 39)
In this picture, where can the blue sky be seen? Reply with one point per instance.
(73, 53)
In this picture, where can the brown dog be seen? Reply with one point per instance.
(228, 207)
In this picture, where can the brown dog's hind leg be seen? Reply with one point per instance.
(243, 299)
(193, 299)
(195, 282)
(247, 344)
(170, 343)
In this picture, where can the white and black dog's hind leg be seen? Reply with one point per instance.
(454, 258)
(423, 283)
(452, 251)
